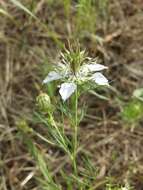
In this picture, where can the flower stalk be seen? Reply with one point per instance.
(75, 133)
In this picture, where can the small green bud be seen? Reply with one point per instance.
(44, 103)
(22, 125)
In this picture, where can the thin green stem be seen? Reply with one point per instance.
(53, 123)
(75, 132)
(44, 139)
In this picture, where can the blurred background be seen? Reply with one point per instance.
(32, 33)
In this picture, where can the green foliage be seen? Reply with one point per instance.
(67, 7)
(48, 183)
(56, 135)
(86, 16)
(26, 132)
(133, 111)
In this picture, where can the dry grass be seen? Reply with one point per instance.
(25, 46)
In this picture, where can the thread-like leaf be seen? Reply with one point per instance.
(21, 6)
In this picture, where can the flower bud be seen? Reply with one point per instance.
(44, 103)
(23, 126)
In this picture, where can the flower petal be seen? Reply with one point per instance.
(66, 90)
(51, 77)
(93, 67)
(100, 79)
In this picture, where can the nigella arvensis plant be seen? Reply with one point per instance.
(75, 68)
(77, 72)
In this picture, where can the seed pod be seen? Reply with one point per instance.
(44, 103)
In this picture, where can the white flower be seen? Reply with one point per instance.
(72, 76)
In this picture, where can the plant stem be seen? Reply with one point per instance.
(75, 132)
(53, 123)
